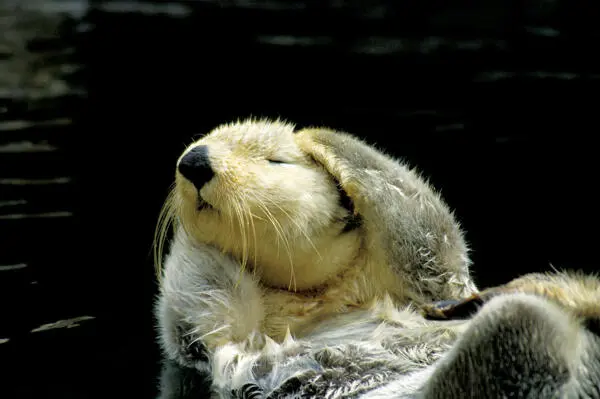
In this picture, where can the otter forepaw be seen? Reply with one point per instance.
(455, 309)
(190, 350)
(576, 293)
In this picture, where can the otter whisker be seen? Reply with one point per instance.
(214, 296)
(280, 233)
(265, 220)
(244, 225)
(216, 330)
(233, 217)
(239, 215)
(298, 226)
(280, 236)
(165, 222)
(251, 216)
(300, 229)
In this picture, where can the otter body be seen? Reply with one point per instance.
(298, 264)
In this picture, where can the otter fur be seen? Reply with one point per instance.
(299, 265)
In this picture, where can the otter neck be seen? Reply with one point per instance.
(297, 263)
(309, 267)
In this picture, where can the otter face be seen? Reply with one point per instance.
(249, 190)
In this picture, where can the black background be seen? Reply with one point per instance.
(495, 101)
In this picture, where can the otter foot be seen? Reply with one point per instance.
(456, 309)
(576, 293)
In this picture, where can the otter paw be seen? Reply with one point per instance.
(190, 350)
(456, 309)
(248, 391)
(576, 293)
(453, 309)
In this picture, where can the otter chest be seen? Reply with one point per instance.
(302, 311)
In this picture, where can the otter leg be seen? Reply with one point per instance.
(577, 293)
(518, 345)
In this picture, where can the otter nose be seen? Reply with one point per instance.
(195, 166)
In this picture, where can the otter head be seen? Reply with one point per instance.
(249, 190)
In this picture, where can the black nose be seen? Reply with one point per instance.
(195, 166)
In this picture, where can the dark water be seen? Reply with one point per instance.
(496, 104)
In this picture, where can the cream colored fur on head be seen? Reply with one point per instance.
(298, 266)
(273, 208)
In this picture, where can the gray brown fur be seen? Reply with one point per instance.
(405, 216)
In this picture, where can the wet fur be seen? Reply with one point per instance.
(268, 290)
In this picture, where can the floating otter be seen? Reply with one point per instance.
(299, 262)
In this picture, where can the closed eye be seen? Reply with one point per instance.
(275, 161)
